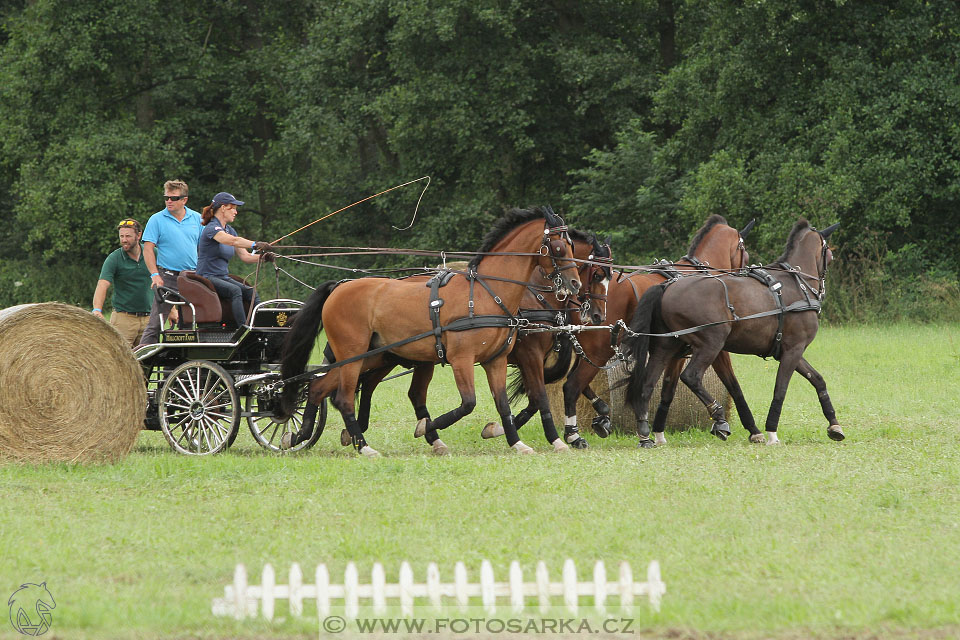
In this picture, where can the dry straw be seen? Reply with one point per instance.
(70, 388)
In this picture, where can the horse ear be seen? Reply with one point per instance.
(549, 215)
(746, 229)
(608, 240)
(826, 232)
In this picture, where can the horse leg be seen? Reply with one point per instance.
(417, 393)
(601, 424)
(834, 431)
(497, 379)
(369, 381)
(692, 376)
(671, 376)
(789, 361)
(656, 361)
(526, 413)
(724, 370)
(577, 380)
(343, 401)
(463, 375)
(530, 361)
(317, 390)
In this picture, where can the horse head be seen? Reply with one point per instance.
(556, 251)
(596, 276)
(807, 250)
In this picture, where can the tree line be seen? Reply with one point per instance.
(636, 119)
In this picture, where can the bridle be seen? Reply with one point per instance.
(597, 265)
(561, 232)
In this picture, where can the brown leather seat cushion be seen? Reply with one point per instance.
(210, 307)
(200, 292)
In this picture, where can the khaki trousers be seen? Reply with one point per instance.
(130, 326)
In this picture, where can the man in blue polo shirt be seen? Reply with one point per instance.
(173, 233)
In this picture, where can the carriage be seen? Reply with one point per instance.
(211, 372)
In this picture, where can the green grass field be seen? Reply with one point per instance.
(859, 539)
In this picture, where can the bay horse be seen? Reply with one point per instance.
(773, 311)
(537, 306)
(715, 247)
(474, 322)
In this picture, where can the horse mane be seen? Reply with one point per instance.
(510, 221)
(711, 222)
(799, 228)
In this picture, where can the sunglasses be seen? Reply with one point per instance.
(174, 198)
(128, 223)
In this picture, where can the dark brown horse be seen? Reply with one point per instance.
(715, 246)
(474, 322)
(538, 306)
(769, 311)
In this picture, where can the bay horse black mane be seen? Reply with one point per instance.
(507, 223)
(799, 228)
(710, 223)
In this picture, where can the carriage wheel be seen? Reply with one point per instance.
(199, 408)
(269, 431)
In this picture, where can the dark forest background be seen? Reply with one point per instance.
(637, 119)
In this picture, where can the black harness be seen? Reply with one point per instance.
(809, 302)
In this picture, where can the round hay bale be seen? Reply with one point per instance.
(686, 411)
(70, 388)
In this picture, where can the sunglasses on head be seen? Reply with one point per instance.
(128, 223)
(174, 198)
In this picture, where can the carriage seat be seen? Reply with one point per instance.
(211, 309)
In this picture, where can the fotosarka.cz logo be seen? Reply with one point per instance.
(30, 607)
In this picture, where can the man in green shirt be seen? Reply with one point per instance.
(126, 270)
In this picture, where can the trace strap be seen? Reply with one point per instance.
(775, 286)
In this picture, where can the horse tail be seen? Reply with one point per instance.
(517, 387)
(639, 346)
(556, 371)
(298, 343)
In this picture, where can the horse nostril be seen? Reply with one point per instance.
(575, 284)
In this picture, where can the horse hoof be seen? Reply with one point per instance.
(369, 452)
(439, 448)
(601, 426)
(646, 443)
(757, 438)
(491, 430)
(579, 443)
(772, 438)
(721, 429)
(286, 442)
(421, 428)
(835, 432)
(523, 449)
(559, 446)
(345, 439)
(659, 438)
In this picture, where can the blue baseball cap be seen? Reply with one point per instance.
(226, 198)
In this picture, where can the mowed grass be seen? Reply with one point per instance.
(810, 539)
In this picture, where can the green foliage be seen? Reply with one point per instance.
(635, 119)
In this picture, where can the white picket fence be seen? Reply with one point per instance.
(241, 599)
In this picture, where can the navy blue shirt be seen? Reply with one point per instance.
(212, 257)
